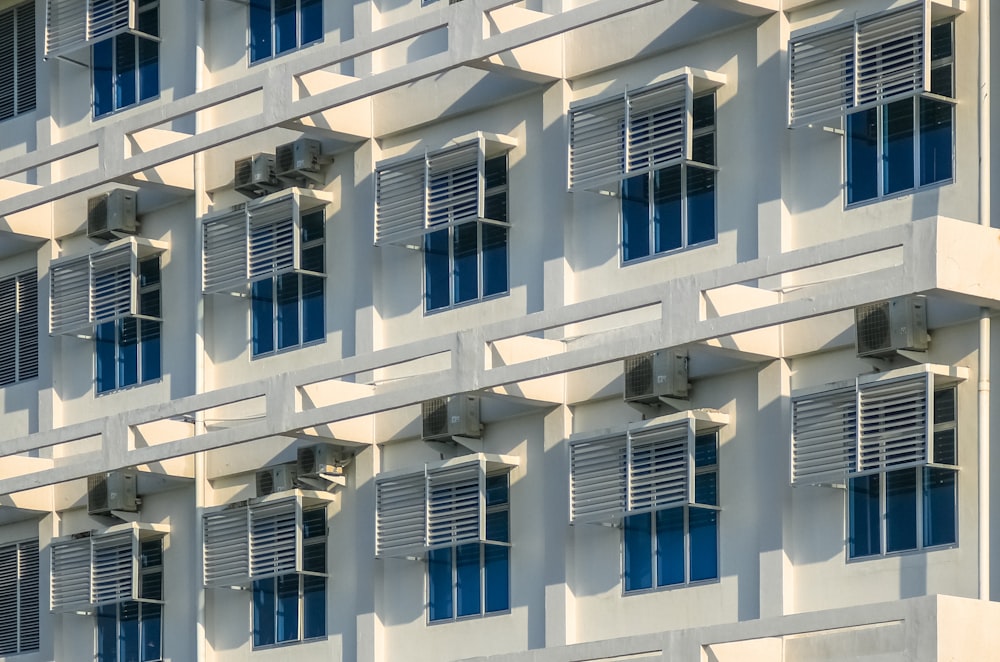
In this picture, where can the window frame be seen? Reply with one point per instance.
(142, 7)
(139, 605)
(17, 81)
(299, 43)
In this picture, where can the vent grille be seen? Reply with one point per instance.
(435, 417)
(306, 459)
(265, 482)
(244, 172)
(639, 377)
(97, 494)
(873, 327)
(285, 157)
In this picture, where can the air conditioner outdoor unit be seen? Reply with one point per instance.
(454, 416)
(254, 176)
(111, 215)
(114, 490)
(315, 460)
(648, 377)
(885, 327)
(275, 479)
(299, 160)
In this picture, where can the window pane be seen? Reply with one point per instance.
(935, 141)
(466, 251)
(467, 579)
(313, 607)
(496, 491)
(104, 101)
(704, 532)
(262, 316)
(260, 29)
(941, 81)
(497, 569)
(706, 450)
(288, 608)
(313, 227)
(667, 209)
(706, 488)
(495, 170)
(314, 523)
(314, 557)
(311, 20)
(263, 612)
(898, 146)
(284, 25)
(151, 632)
(701, 205)
(288, 310)
(439, 584)
(104, 349)
(150, 350)
(638, 563)
(939, 506)
(495, 206)
(437, 294)
(703, 149)
(864, 533)
(635, 217)
(862, 156)
(128, 632)
(125, 70)
(703, 111)
(941, 41)
(944, 447)
(128, 352)
(901, 510)
(313, 317)
(494, 259)
(670, 546)
(107, 633)
(149, 51)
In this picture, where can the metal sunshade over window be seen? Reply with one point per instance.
(72, 25)
(871, 61)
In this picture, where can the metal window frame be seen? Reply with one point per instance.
(141, 606)
(86, 33)
(298, 34)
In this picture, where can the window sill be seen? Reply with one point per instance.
(466, 304)
(899, 195)
(130, 387)
(673, 251)
(286, 350)
(902, 553)
(115, 114)
(272, 58)
(470, 617)
(286, 644)
(669, 587)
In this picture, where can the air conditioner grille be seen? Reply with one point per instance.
(244, 172)
(639, 376)
(285, 157)
(265, 483)
(306, 460)
(874, 328)
(435, 417)
(97, 493)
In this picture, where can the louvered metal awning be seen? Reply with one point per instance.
(19, 596)
(72, 25)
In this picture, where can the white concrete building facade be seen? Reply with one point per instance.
(536, 330)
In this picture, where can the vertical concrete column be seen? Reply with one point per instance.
(554, 209)
(48, 528)
(365, 20)
(771, 437)
(355, 238)
(49, 348)
(367, 571)
(560, 609)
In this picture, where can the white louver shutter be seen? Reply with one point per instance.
(657, 126)
(227, 547)
(9, 580)
(659, 467)
(822, 75)
(71, 25)
(114, 568)
(597, 144)
(69, 296)
(113, 275)
(8, 331)
(8, 70)
(454, 505)
(598, 479)
(70, 575)
(894, 422)
(224, 252)
(274, 532)
(29, 602)
(273, 239)
(400, 201)
(891, 61)
(400, 514)
(454, 185)
(27, 326)
(824, 436)
(25, 57)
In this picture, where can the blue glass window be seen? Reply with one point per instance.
(126, 67)
(674, 207)
(918, 506)
(474, 579)
(468, 262)
(902, 145)
(292, 607)
(127, 351)
(288, 311)
(132, 631)
(279, 26)
(678, 545)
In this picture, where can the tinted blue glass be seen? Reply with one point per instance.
(944, 447)
(897, 146)
(436, 286)
(313, 606)
(706, 450)
(262, 316)
(862, 156)
(496, 492)
(260, 30)
(900, 510)
(670, 546)
(151, 625)
(149, 55)
(107, 633)
(701, 205)
(635, 217)
(311, 12)
(706, 488)
(497, 571)
(467, 583)
(638, 563)
(285, 32)
(466, 252)
(151, 367)
(313, 228)
(313, 320)
(939, 507)
(263, 612)
(125, 71)
(128, 352)
(104, 349)
(935, 141)
(439, 599)
(288, 608)
(128, 631)
(667, 225)
(314, 523)
(863, 509)
(104, 95)
(704, 533)
(494, 259)
(288, 310)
